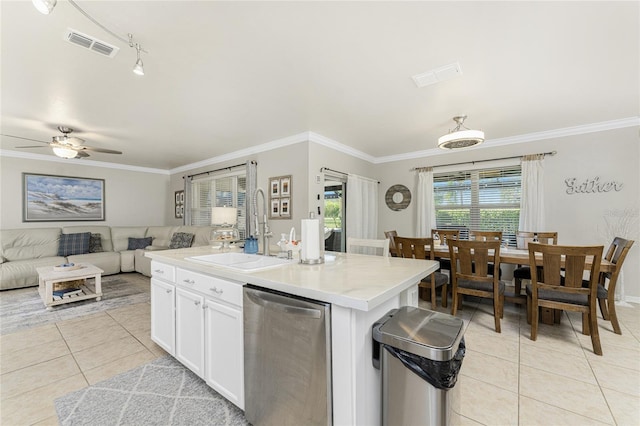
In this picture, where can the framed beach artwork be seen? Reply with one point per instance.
(48, 198)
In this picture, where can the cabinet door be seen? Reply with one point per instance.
(162, 315)
(224, 354)
(190, 330)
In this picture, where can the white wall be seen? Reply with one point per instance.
(579, 218)
(131, 198)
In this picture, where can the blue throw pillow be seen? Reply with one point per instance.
(71, 244)
(139, 243)
(181, 240)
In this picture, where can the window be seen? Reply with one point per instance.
(487, 200)
(218, 191)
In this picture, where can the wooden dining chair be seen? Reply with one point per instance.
(559, 285)
(368, 246)
(470, 273)
(445, 235)
(523, 238)
(487, 236)
(616, 254)
(390, 235)
(422, 248)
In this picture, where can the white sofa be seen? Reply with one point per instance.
(23, 250)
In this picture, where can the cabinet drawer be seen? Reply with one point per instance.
(163, 271)
(212, 287)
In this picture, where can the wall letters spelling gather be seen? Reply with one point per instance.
(591, 186)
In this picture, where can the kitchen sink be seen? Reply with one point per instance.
(241, 261)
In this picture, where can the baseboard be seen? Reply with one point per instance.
(632, 299)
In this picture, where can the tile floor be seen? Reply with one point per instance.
(506, 379)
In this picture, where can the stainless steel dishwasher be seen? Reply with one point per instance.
(287, 359)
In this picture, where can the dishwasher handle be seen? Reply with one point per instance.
(282, 304)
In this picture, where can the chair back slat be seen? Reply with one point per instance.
(414, 248)
(473, 258)
(523, 238)
(485, 235)
(446, 234)
(367, 246)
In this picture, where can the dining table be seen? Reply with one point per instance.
(515, 256)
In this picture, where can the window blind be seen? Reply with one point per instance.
(218, 191)
(486, 199)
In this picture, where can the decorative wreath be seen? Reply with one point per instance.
(398, 197)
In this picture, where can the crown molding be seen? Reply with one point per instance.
(330, 143)
(79, 162)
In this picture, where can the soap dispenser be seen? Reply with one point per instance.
(283, 246)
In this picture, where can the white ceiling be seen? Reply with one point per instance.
(226, 76)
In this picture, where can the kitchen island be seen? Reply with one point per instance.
(360, 289)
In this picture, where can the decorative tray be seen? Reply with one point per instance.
(66, 267)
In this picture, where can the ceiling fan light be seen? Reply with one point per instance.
(63, 152)
(461, 139)
(138, 68)
(44, 6)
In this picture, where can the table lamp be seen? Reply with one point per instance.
(224, 219)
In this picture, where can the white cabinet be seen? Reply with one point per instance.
(190, 330)
(162, 315)
(224, 351)
(197, 318)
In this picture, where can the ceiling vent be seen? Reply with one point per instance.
(91, 43)
(437, 75)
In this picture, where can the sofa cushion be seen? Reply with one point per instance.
(22, 273)
(161, 234)
(71, 244)
(120, 235)
(139, 243)
(108, 261)
(29, 243)
(104, 231)
(95, 243)
(181, 240)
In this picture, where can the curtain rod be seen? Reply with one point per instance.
(218, 170)
(322, 169)
(482, 161)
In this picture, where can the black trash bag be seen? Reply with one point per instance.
(440, 374)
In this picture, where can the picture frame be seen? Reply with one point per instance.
(179, 204)
(275, 188)
(280, 192)
(275, 208)
(285, 207)
(52, 198)
(285, 187)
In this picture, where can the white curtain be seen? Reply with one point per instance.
(425, 204)
(186, 217)
(532, 201)
(362, 207)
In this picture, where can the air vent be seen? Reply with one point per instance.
(91, 43)
(437, 75)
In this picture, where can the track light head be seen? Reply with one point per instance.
(44, 6)
(138, 68)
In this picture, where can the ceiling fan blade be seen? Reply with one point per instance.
(26, 139)
(31, 146)
(103, 150)
(82, 154)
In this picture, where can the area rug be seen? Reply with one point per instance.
(23, 308)
(162, 392)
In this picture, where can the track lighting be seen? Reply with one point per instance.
(44, 6)
(138, 68)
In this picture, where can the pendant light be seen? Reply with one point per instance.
(460, 137)
(44, 6)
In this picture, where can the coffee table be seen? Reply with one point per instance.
(48, 278)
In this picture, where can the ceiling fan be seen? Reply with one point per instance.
(66, 146)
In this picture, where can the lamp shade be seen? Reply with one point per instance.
(224, 216)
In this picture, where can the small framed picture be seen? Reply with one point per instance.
(275, 208)
(179, 204)
(285, 186)
(285, 210)
(275, 187)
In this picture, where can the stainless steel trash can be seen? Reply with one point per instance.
(419, 353)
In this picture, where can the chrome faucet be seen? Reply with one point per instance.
(266, 232)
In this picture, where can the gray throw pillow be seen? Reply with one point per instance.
(180, 240)
(139, 243)
(71, 244)
(95, 243)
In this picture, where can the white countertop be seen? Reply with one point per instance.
(350, 280)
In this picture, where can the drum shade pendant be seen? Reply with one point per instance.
(460, 137)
